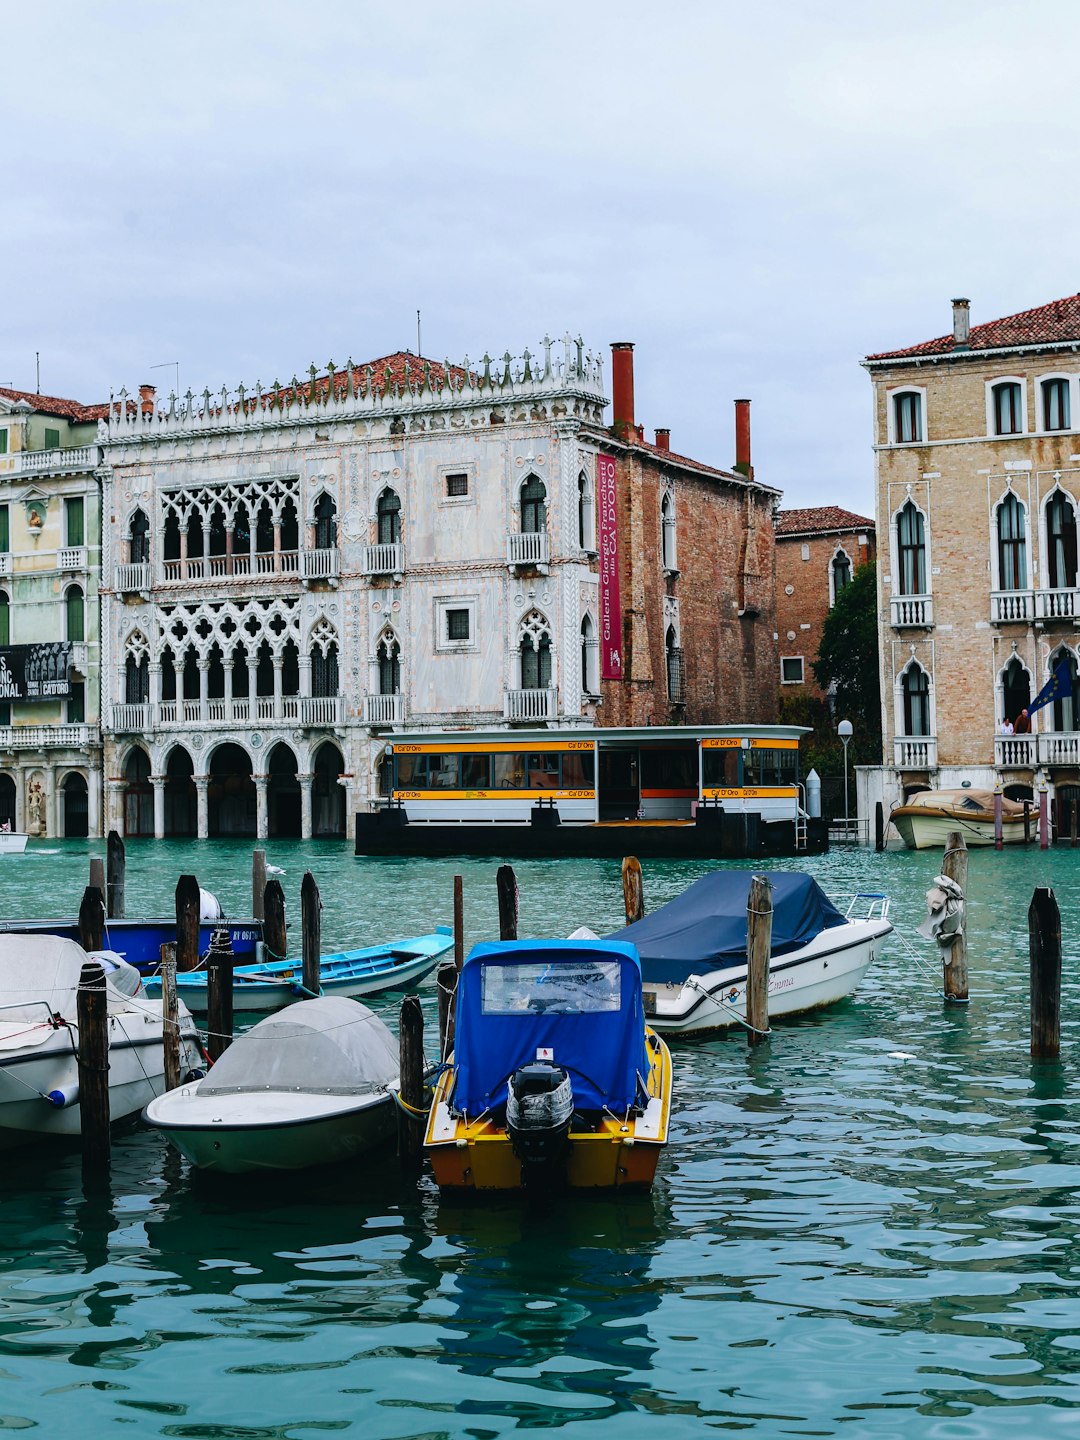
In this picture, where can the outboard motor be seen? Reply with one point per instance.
(539, 1109)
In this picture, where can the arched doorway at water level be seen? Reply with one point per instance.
(76, 799)
(327, 796)
(282, 793)
(7, 802)
(138, 794)
(231, 798)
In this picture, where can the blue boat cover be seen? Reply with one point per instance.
(704, 928)
(578, 999)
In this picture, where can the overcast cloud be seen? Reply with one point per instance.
(756, 196)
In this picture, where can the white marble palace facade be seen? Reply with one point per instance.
(286, 575)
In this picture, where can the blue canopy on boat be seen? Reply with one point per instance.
(580, 1000)
(704, 928)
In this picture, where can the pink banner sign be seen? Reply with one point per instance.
(611, 659)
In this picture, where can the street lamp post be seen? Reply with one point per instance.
(844, 731)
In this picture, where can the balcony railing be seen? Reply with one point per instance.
(133, 577)
(1059, 747)
(915, 752)
(530, 547)
(323, 710)
(383, 560)
(131, 719)
(264, 563)
(5, 562)
(384, 709)
(912, 610)
(1014, 752)
(1009, 606)
(321, 564)
(44, 737)
(44, 462)
(531, 705)
(1057, 604)
(72, 557)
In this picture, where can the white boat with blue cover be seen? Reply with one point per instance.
(693, 950)
(261, 989)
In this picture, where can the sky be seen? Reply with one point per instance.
(756, 196)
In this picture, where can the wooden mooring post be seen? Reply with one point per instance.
(879, 826)
(459, 923)
(170, 1015)
(219, 994)
(633, 889)
(311, 934)
(93, 1017)
(116, 867)
(97, 874)
(92, 919)
(759, 913)
(258, 882)
(411, 1060)
(187, 923)
(1044, 950)
(275, 941)
(447, 991)
(507, 887)
(954, 957)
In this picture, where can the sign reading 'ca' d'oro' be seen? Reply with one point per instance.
(35, 672)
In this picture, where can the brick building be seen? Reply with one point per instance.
(977, 437)
(818, 550)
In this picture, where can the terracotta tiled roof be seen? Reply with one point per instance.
(397, 369)
(53, 405)
(1058, 322)
(821, 519)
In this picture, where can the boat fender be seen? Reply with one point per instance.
(193, 1075)
(64, 1098)
(210, 905)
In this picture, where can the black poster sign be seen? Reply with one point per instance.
(35, 672)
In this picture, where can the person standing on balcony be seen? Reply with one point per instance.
(1023, 724)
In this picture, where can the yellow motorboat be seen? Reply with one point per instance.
(555, 1081)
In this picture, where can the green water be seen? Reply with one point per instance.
(868, 1226)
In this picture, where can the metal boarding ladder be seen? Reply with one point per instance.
(801, 817)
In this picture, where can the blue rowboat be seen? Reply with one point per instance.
(139, 942)
(353, 973)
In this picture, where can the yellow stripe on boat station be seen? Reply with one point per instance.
(732, 743)
(521, 747)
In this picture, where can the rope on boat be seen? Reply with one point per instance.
(409, 1109)
(728, 1009)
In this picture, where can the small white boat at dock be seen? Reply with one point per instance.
(310, 1086)
(12, 842)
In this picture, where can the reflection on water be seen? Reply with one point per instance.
(867, 1226)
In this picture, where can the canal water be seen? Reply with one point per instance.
(868, 1226)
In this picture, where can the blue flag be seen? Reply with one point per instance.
(1058, 687)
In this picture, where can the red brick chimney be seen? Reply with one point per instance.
(742, 439)
(146, 399)
(663, 439)
(622, 387)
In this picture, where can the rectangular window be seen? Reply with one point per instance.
(475, 772)
(908, 417)
(457, 485)
(589, 988)
(1055, 404)
(457, 624)
(5, 530)
(1008, 411)
(3, 441)
(509, 771)
(770, 767)
(73, 521)
(52, 439)
(720, 768)
(792, 670)
(76, 705)
(577, 770)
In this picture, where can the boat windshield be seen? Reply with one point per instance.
(588, 988)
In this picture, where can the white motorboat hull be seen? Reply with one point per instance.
(826, 970)
(12, 842)
(249, 1132)
(29, 1073)
(931, 832)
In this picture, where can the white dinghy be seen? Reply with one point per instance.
(39, 1039)
(311, 1085)
(693, 950)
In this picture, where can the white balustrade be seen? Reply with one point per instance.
(42, 462)
(1057, 604)
(132, 718)
(72, 557)
(323, 710)
(531, 705)
(43, 737)
(530, 547)
(384, 709)
(133, 577)
(915, 752)
(1009, 606)
(1014, 752)
(321, 564)
(1059, 747)
(167, 712)
(912, 610)
(5, 562)
(383, 560)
